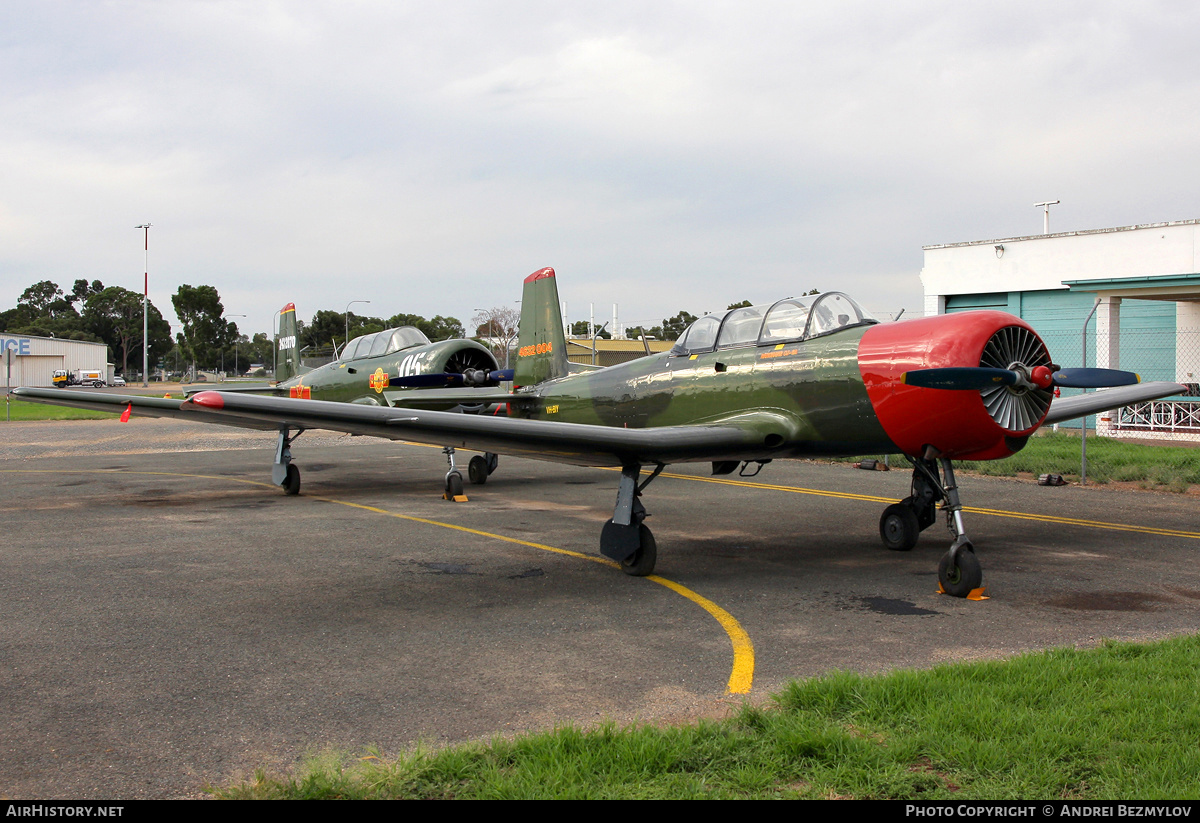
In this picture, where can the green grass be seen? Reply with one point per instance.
(1168, 468)
(1109, 459)
(1118, 721)
(21, 410)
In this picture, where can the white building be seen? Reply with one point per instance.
(1136, 288)
(32, 361)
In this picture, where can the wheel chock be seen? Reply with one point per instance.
(458, 498)
(974, 594)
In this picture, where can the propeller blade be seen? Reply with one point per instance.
(963, 379)
(1094, 378)
(425, 381)
(472, 377)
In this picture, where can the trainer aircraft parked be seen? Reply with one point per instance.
(798, 378)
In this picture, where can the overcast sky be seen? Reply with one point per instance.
(663, 156)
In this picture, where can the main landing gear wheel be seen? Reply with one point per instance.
(641, 562)
(454, 485)
(961, 579)
(477, 470)
(291, 484)
(899, 527)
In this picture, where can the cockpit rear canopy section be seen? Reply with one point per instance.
(787, 321)
(384, 342)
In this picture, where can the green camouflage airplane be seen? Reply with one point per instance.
(381, 369)
(801, 377)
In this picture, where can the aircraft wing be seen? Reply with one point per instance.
(1079, 405)
(143, 406)
(741, 437)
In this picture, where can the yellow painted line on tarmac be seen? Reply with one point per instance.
(741, 676)
(1041, 518)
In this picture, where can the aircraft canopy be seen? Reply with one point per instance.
(790, 320)
(384, 342)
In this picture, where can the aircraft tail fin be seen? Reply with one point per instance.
(287, 345)
(541, 344)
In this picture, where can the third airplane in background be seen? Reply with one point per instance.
(798, 378)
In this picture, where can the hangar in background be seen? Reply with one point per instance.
(35, 359)
(1135, 288)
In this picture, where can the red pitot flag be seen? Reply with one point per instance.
(125, 414)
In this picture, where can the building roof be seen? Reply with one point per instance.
(1062, 234)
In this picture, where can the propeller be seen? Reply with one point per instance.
(1040, 377)
(472, 378)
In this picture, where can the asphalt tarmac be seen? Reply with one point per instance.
(173, 621)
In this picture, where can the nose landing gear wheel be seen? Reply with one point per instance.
(899, 527)
(454, 486)
(962, 578)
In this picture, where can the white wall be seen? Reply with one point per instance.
(1045, 261)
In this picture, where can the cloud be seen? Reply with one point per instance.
(427, 157)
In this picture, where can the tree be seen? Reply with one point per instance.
(42, 298)
(15, 318)
(745, 304)
(204, 332)
(673, 327)
(580, 329)
(82, 290)
(500, 325)
(439, 328)
(115, 316)
(329, 327)
(259, 349)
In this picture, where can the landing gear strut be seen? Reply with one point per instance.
(903, 522)
(625, 538)
(284, 473)
(959, 571)
(454, 480)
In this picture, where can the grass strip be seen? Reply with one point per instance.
(1165, 468)
(19, 410)
(1118, 721)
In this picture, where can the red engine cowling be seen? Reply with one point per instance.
(967, 425)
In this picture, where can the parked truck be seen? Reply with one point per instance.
(89, 377)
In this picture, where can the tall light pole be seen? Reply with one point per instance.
(275, 337)
(348, 305)
(146, 311)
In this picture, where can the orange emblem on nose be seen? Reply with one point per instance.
(379, 381)
(300, 392)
